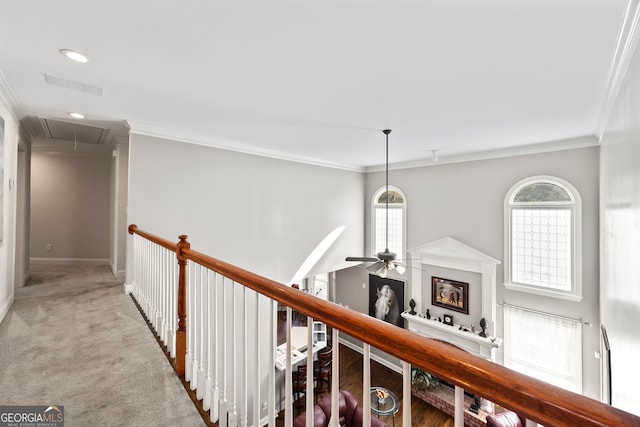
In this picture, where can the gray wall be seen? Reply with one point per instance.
(70, 199)
(620, 239)
(466, 201)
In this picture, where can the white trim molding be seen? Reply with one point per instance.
(6, 307)
(626, 44)
(70, 261)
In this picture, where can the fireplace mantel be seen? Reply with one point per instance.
(450, 253)
(468, 341)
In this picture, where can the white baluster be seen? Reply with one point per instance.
(273, 340)
(288, 380)
(406, 394)
(335, 378)
(195, 322)
(256, 379)
(188, 371)
(244, 401)
(224, 348)
(235, 334)
(206, 344)
(458, 419)
(309, 392)
(366, 384)
(200, 333)
(216, 302)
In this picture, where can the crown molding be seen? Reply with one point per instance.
(9, 98)
(628, 38)
(523, 150)
(152, 131)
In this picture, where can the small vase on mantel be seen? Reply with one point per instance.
(428, 314)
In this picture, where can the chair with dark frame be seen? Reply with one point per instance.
(299, 387)
(322, 370)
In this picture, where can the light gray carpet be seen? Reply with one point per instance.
(73, 338)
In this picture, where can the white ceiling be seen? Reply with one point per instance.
(319, 80)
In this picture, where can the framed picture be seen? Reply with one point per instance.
(450, 294)
(447, 319)
(386, 299)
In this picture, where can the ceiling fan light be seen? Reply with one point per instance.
(382, 272)
(400, 268)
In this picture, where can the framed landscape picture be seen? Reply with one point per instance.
(450, 294)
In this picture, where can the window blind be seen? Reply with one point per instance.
(543, 346)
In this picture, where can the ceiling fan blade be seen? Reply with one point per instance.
(373, 268)
(361, 259)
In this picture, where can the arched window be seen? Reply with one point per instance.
(397, 223)
(543, 238)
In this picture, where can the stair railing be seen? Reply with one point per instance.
(209, 315)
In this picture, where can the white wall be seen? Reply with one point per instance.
(70, 199)
(466, 201)
(620, 239)
(262, 214)
(8, 245)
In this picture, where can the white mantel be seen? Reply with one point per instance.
(468, 341)
(450, 253)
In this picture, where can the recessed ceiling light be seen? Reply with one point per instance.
(77, 115)
(74, 55)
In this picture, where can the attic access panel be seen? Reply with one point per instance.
(66, 131)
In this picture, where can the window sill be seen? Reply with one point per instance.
(544, 292)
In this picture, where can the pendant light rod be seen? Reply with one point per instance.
(386, 242)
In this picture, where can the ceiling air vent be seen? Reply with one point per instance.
(66, 131)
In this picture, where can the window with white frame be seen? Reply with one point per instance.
(544, 346)
(543, 235)
(397, 205)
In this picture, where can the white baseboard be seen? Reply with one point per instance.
(128, 288)
(69, 261)
(380, 360)
(118, 274)
(6, 306)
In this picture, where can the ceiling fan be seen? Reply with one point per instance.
(385, 260)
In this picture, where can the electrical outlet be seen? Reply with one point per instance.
(49, 247)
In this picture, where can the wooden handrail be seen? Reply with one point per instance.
(167, 244)
(537, 400)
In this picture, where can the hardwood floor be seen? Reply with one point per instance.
(422, 414)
